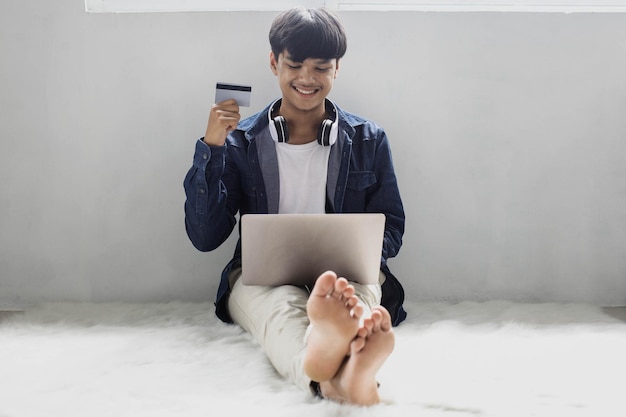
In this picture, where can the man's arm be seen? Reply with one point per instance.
(385, 198)
(209, 213)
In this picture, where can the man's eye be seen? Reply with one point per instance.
(323, 69)
(293, 66)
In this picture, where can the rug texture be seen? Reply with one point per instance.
(176, 359)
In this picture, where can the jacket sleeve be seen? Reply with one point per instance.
(385, 198)
(209, 209)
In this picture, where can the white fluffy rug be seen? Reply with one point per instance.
(176, 359)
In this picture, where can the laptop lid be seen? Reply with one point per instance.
(295, 249)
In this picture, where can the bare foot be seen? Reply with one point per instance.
(355, 383)
(334, 315)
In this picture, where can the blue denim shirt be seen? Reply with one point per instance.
(242, 177)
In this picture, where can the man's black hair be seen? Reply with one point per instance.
(308, 33)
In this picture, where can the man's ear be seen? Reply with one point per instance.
(336, 69)
(273, 63)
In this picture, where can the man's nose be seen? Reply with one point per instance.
(307, 74)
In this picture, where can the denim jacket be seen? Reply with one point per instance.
(242, 177)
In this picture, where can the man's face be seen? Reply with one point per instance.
(305, 84)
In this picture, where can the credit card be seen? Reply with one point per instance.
(241, 93)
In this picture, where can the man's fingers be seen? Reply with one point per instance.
(224, 117)
(228, 105)
(228, 119)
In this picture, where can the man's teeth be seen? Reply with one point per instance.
(299, 90)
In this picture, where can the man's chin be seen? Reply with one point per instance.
(308, 104)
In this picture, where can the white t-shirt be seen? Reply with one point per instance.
(302, 171)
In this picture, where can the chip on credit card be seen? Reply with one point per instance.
(241, 93)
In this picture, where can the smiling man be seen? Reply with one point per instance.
(302, 154)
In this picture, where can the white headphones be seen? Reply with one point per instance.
(327, 133)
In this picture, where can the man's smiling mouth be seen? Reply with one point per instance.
(305, 91)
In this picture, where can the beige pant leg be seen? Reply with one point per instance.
(276, 317)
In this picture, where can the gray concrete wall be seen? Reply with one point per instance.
(508, 132)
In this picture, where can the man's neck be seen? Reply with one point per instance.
(303, 125)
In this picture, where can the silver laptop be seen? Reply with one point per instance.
(294, 249)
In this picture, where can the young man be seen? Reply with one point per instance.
(302, 154)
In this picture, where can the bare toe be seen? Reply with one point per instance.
(385, 324)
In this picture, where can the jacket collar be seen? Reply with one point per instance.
(253, 125)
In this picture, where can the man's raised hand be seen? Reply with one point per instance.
(223, 118)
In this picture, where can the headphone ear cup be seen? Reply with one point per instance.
(325, 134)
(280, 125)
